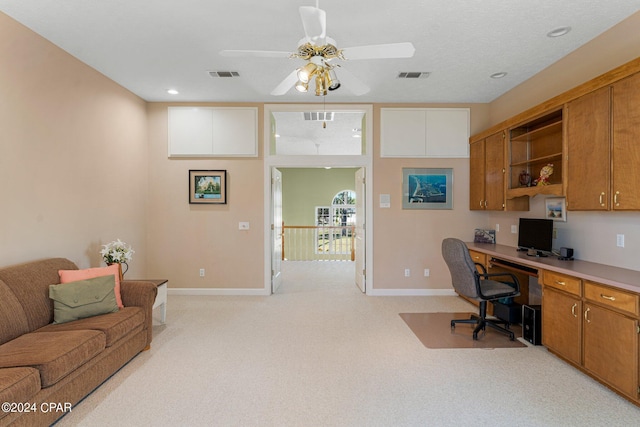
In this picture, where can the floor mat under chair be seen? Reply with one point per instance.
(434, 331)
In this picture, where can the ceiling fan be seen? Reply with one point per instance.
(319, 50)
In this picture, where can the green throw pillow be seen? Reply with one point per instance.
(84, 298)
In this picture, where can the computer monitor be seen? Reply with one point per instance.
(536, 235)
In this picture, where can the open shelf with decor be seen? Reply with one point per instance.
(536, 146)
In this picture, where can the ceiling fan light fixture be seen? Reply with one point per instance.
(302, 86)
(321, 89)
(331, 80)
(305, 73)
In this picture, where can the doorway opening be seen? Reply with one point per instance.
(322, 220)
(308, 168)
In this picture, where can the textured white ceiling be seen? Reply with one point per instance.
(149, 46)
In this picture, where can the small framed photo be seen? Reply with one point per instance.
(556, 208)
(208, 187)
(427, 188)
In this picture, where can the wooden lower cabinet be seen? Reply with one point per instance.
(594, 327)
(611, 348)
(562, 324)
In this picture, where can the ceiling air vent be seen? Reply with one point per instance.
(319, 116)
(224, 74)
(413, 75)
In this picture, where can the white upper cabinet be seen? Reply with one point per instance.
(213, 131)
(424, 132)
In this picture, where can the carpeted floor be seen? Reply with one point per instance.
(320, 353)
(434, 331)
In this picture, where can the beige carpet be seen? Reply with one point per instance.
(434, 331)
(319, 353)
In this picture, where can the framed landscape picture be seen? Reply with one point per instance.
(427, 188)
(208, 186)
(556, 208)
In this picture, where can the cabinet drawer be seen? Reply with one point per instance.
(560, 281)
(478, 257)
(610, 297)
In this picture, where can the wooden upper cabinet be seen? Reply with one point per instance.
(476, 173)
(486, 167)
(588, 151)
(603, 130)
(626, 146)
(591, 136)
(494, 189)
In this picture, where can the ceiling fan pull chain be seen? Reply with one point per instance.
(324, 109)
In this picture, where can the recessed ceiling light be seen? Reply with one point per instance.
(498, 75)
(172, 92)
(559, 32)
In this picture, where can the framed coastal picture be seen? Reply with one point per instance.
(427, 188)
(556, 208)
(208, 186)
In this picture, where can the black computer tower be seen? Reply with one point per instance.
(511, 312)
(532, 324)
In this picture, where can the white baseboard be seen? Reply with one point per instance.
(412, 292)
(218, 291)
(263, 292)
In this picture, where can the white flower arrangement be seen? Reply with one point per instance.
(116, 252)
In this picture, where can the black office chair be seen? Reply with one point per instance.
(478, 286)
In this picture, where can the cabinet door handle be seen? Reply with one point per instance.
(480, 204)
(485, 204)
(615, 198)
(602, 199)
(608, 297)
(586, 315)
(560, 283)
(573, 309)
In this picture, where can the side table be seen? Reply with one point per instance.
(161, 298)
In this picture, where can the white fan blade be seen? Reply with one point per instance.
(286, 84)
(350, 82)
(314, 21)
(255, 53)
(380, 51)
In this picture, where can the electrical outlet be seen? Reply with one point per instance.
(407, 272)
(202, 272)
(426, 272)
(514, 229)
(620, 240)
(497, 227)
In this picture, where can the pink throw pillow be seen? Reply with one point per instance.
(67, 276)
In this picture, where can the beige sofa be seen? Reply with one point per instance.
(46, 368)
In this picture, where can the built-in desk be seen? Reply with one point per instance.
(613, 276)
(590, 313)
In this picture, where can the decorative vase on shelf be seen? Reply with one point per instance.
(525, 179)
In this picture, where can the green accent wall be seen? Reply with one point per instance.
(305, 188)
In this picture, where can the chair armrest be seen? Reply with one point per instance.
(482, 267)
(140, 293)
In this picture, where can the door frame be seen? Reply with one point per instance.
(275, 161)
